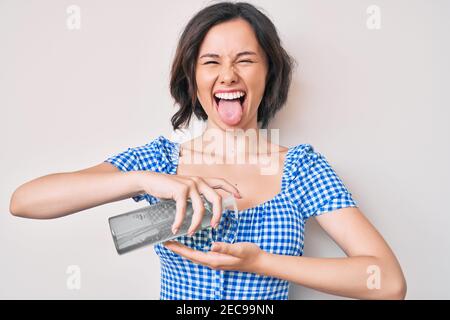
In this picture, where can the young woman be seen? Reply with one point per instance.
(231, 71)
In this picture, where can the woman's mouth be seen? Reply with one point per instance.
(242, 100)
(230, 106)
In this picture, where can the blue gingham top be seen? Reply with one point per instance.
(309, 187)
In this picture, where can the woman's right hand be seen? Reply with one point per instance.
(180, 188)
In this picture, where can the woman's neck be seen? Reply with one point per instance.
(237, 142)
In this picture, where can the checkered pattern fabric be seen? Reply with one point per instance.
(310, 187)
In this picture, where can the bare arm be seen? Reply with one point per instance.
(61, 194)
(368, 258)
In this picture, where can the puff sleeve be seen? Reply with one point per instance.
(145, 157)
(315, 187)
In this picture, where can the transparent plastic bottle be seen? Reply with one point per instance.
(153, 224)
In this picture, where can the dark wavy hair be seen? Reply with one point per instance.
(183, 87)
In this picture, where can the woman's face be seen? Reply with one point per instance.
(230, 60)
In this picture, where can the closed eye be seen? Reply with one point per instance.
(209, 62)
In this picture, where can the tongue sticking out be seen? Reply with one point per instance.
(230, 111)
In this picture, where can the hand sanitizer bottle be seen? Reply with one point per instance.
(152, 224)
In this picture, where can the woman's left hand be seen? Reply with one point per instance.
(241, 256)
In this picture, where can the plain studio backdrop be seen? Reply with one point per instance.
(372, 100)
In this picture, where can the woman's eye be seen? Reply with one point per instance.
(209, 62)
(246, 61)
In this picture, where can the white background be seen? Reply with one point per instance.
(372, 101)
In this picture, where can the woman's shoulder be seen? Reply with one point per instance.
(302, 149)
(158, 145)
(158, 153)
(302, 157)
(301, 153)
(313, 184)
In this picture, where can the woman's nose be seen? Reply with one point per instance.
(228, 75)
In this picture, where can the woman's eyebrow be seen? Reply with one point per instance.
(215, 55)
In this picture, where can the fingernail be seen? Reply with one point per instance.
(216, 225)
(174, 231)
